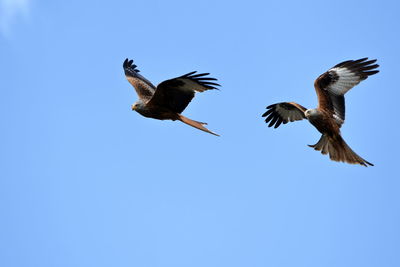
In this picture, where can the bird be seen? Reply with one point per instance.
(329, 116)
(170, 98)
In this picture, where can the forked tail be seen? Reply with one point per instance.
(195, 124)
(338, 150)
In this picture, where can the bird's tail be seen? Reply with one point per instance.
(195, 124)
(338, 150)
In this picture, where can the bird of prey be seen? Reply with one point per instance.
(170, 98)
(329, 116)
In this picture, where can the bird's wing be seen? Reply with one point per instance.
(175, 94)
(337, 81)
(284, 112)
(144, 88)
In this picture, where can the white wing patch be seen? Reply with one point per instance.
(347, 80)
(338, 120)
(190, 85)
(289, 115)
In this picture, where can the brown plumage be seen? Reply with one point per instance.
(329, 116)
(170, 98)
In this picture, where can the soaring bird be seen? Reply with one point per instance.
(170, 98)
(329, 116)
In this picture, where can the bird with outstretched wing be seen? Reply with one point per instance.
(329, 116)
(170, 98)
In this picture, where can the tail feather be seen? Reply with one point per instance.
(338, 150)
(195, 124)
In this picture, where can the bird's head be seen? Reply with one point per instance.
(311, 112)
(137, 105)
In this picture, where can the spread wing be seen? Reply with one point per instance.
(175, 94)
(336, 82)
(283, 113)
(143, 87)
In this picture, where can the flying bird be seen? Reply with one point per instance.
(329, 116)
(170, 98)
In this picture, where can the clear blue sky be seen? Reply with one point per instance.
(87, 182)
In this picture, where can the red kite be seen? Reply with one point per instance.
(329, 116)
(170, 98)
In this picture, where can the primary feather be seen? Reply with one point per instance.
(144, 88)
(332, 85)
(177, 93)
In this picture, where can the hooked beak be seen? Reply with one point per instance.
(133, 107)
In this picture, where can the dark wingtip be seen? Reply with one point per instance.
(278, 123)
(366, 162)
(361, 59)
(269, 111)
(271, 106)
(361, 67)
(372, 61)
(129, 66)
(188, 74)
(202, 79)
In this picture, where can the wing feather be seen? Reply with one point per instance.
(332, 85)
(284, 112)
(176, 94)
(144, 88)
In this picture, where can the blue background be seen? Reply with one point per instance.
(87, 182)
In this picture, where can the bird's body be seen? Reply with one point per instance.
(170, 98)
(329, 116)
(154, 112)
(322, 121)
